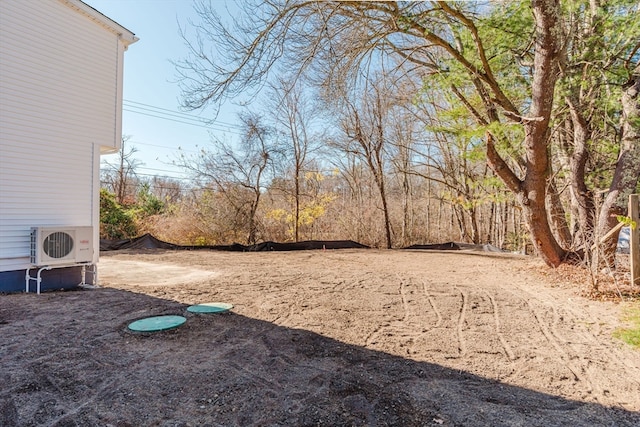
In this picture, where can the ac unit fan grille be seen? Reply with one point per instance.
(58, 244)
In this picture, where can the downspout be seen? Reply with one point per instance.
(117, 130)
(93, 184)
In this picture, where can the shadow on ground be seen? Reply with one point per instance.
(68, 359)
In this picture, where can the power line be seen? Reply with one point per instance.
(198, 121)
(157, 170)
(175, 116)
(183, 178)
(163, 176)
(163, 146)
(182, 122)
(109, 166)
(151, 185)
(179, 113)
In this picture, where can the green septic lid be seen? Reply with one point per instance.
(157, 323)
(210, 307)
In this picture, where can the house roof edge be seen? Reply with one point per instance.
(127, 36)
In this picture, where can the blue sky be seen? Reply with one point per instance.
(150, 87)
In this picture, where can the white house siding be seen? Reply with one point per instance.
(60, 106)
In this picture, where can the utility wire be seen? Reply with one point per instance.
(175, 116)
(196, 120)
(162, 176)
(157, 170)
(178, 113)
(163, 146)
(183, 178)
(205, 126)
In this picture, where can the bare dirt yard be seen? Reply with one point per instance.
(317, 338)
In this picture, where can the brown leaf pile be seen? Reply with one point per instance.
(614, 285)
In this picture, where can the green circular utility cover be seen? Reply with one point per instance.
(157, 323)
(210, 307)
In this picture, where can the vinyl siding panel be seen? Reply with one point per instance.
(60, 103)
(62, 71)
(42, 190)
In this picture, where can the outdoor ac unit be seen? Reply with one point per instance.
(61, 245)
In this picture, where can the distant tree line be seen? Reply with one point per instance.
(258, 192)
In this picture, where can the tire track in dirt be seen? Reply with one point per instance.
(539, 352)
(385, 324)
(425, 323)
(431, 325)
(571, 354)
(593, 344)
(549, 335)
(462, 343)
(281, 287)
(417, 317)
(478, 327)
(371, 339)
(433, 305)
(403, 297)
(285, 319)
(591, 358)
(507, 348)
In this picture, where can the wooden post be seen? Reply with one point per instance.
(634, 238)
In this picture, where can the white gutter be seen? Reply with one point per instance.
(125, 35)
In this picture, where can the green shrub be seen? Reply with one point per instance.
(148, 203)
(115, 221)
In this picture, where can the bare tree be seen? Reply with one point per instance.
(240, 172)
(121, 176)
(363, 117)
(403, 130)
(167, 189)
(293, 115)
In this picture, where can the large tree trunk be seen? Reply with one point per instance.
(253, 229)
(296, 224)
(627, 172)
(583, 196)
(557, 216)
(475, 229)
(533, 196)
(387, 217)
(531, 191)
